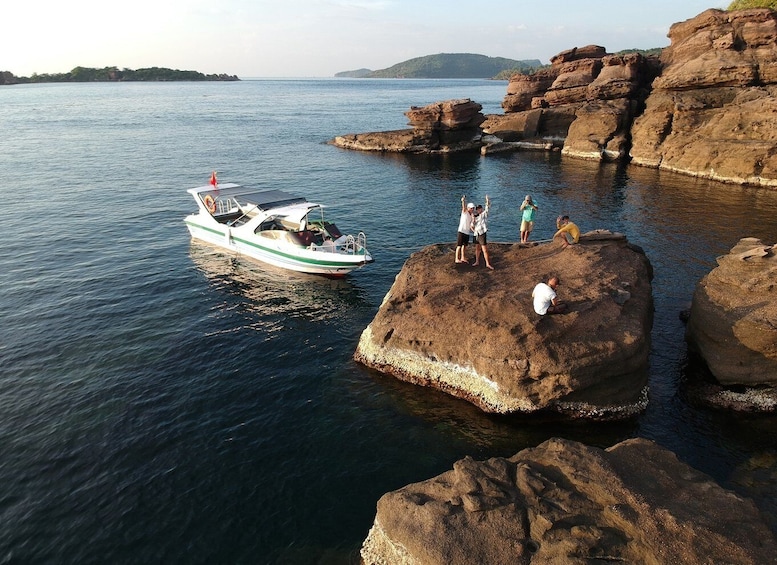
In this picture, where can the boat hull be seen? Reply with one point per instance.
(275, 252)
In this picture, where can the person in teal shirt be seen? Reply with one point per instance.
(528, 207)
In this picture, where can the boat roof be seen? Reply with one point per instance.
(277, 202)
(264, 199)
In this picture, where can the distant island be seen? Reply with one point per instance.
(450, 65)
(114, 74)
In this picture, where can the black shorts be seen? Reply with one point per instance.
(481, 239)
(462, 240)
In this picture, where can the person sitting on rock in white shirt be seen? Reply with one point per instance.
(544, 296)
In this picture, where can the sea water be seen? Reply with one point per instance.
(164, 402)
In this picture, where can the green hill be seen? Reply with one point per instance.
(455, 65)
(358, 73)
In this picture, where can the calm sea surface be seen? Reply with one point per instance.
(162, 402)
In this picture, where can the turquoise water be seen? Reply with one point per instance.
(162, 402)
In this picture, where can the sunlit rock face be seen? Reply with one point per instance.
(564, 502)
(473, 333)
(442, 127)
(587, 98)
(713, 110)
(733, 318)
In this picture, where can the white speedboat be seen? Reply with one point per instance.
(274, 227)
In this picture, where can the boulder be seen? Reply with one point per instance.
(473, 333)
(599, 131)
(619, 77)
(564, 502)
(733, 319)
(571, 84)
(447, 115)
(713, 110)
(441, 127)
(541, 125)
(578, 53)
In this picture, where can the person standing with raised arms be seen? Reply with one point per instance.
(479, 228)
(465, 230)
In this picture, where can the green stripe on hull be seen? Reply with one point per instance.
(287, 256)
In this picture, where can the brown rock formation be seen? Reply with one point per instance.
(733, 319)
(563, 502)
(571, 84)
(441, 127)
(587, 99)
(713, 110)
(522, 89)
(474, 334)
(578, 53)
(396, 141)
(446, 116)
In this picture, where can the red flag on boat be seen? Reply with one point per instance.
(213, 180)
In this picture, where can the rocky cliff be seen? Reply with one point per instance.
(707, 107)
(585, 102)
(713, 110)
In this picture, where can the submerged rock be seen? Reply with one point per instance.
(564, 502)
(473, 333)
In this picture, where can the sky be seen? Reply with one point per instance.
(317, 38)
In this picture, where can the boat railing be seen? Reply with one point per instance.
(348, 245)
(223, 206)
(354, 245)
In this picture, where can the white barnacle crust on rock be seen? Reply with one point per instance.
(473, 333)
(459, 380)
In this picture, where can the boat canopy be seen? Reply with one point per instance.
(263, 199)
(275, 203)
(269, 199)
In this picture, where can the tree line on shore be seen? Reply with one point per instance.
(114, 74)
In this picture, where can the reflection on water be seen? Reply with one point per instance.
(270, 291)
(486, 434)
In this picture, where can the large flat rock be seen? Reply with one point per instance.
(473, 333)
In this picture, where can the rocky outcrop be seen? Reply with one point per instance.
(587, 99)
(733, 319)
(473, 333)
(563, 502)
(441, 127)
(713, 110)
(707, 108)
